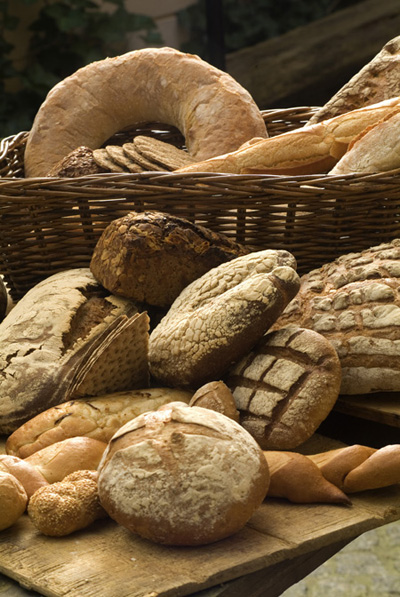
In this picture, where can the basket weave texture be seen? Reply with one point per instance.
(52, 224)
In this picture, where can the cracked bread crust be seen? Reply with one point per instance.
(286, 387)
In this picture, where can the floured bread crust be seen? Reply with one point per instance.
(220, 316)
(286, 387)
(214, 113)
(182, 476)
(355, 303)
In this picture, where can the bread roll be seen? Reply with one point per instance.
(377, 149)
(336, 464)
(311, 149)
(13, 500)
(285, 387)
(219, 317)
(216, 395)
(68, 337)
(296, 478)
(182, 476)
(354, 302)
(377, 81)
(63, 458)
(212, 111)
(26, 473)
(96, 418)
(66, 506)
(151, 256)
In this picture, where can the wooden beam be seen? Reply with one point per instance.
(307, 65)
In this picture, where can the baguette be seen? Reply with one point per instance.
(381, 469)
(335, 465)
(311, 149)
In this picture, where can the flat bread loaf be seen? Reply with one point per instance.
(354, 302)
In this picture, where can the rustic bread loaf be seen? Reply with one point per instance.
(377, 81)
(26, 473)
(377, 149)
(296, 478)
(311, 149)
(151, 256)
(219, 317)
(354, 302)
(285, 387)
(68, 337)
(214, 113)
(58, 460)
(182, 476)
(13, 500)
(66, 506)
(96, 418)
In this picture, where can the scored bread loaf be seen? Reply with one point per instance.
(68, 337)
(285, 386)
(310, 149)
(354, 302)
(214, 112)
(217, 318)
(96, 418)
(151, 256)
(182, 476)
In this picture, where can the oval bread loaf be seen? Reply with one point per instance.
(214, 113)
(286, 386)
(26, 473)
(182, 476)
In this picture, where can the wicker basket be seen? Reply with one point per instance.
(49, 224)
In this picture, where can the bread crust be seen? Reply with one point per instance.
(213, 112)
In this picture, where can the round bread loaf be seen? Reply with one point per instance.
(182, 476)
(286, 387)
(214, 113)
(13, 500)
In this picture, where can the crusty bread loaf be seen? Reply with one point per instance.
(354, 302)
(377, 149)
(336, 464)
(311, 149)
(13, 500)
(377, 81)
(26, 473)
(77, 340)
(213, 112)
(216, 395)
(285, 387)
(182, 476)
(58, 460)
(66, 506)
(96, 418)
(151, 256)
(295, 477)
(219, 317)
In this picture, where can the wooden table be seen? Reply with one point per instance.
(279, 546)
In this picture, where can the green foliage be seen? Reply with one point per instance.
(65, 35)
(247, 22)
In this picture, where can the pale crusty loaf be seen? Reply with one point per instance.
(66, 506)
(311, 149)
(377, 81)
(152, 256)
(68, 337)
(355, 303)
(96, 418)
(182, 476)
(377, 149)
(213, 112)
(285, 387)
(219, 317)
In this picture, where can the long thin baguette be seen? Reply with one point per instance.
(335, 465)
(311, 149)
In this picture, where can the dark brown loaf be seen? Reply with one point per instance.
(285, 387)
(152, 256)
(95, 418)
(182, 476)
(220, 316)
(355, 303)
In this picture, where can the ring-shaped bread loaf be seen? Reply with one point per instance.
(210, 108)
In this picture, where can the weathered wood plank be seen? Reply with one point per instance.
(380, 408)
(309, 64)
